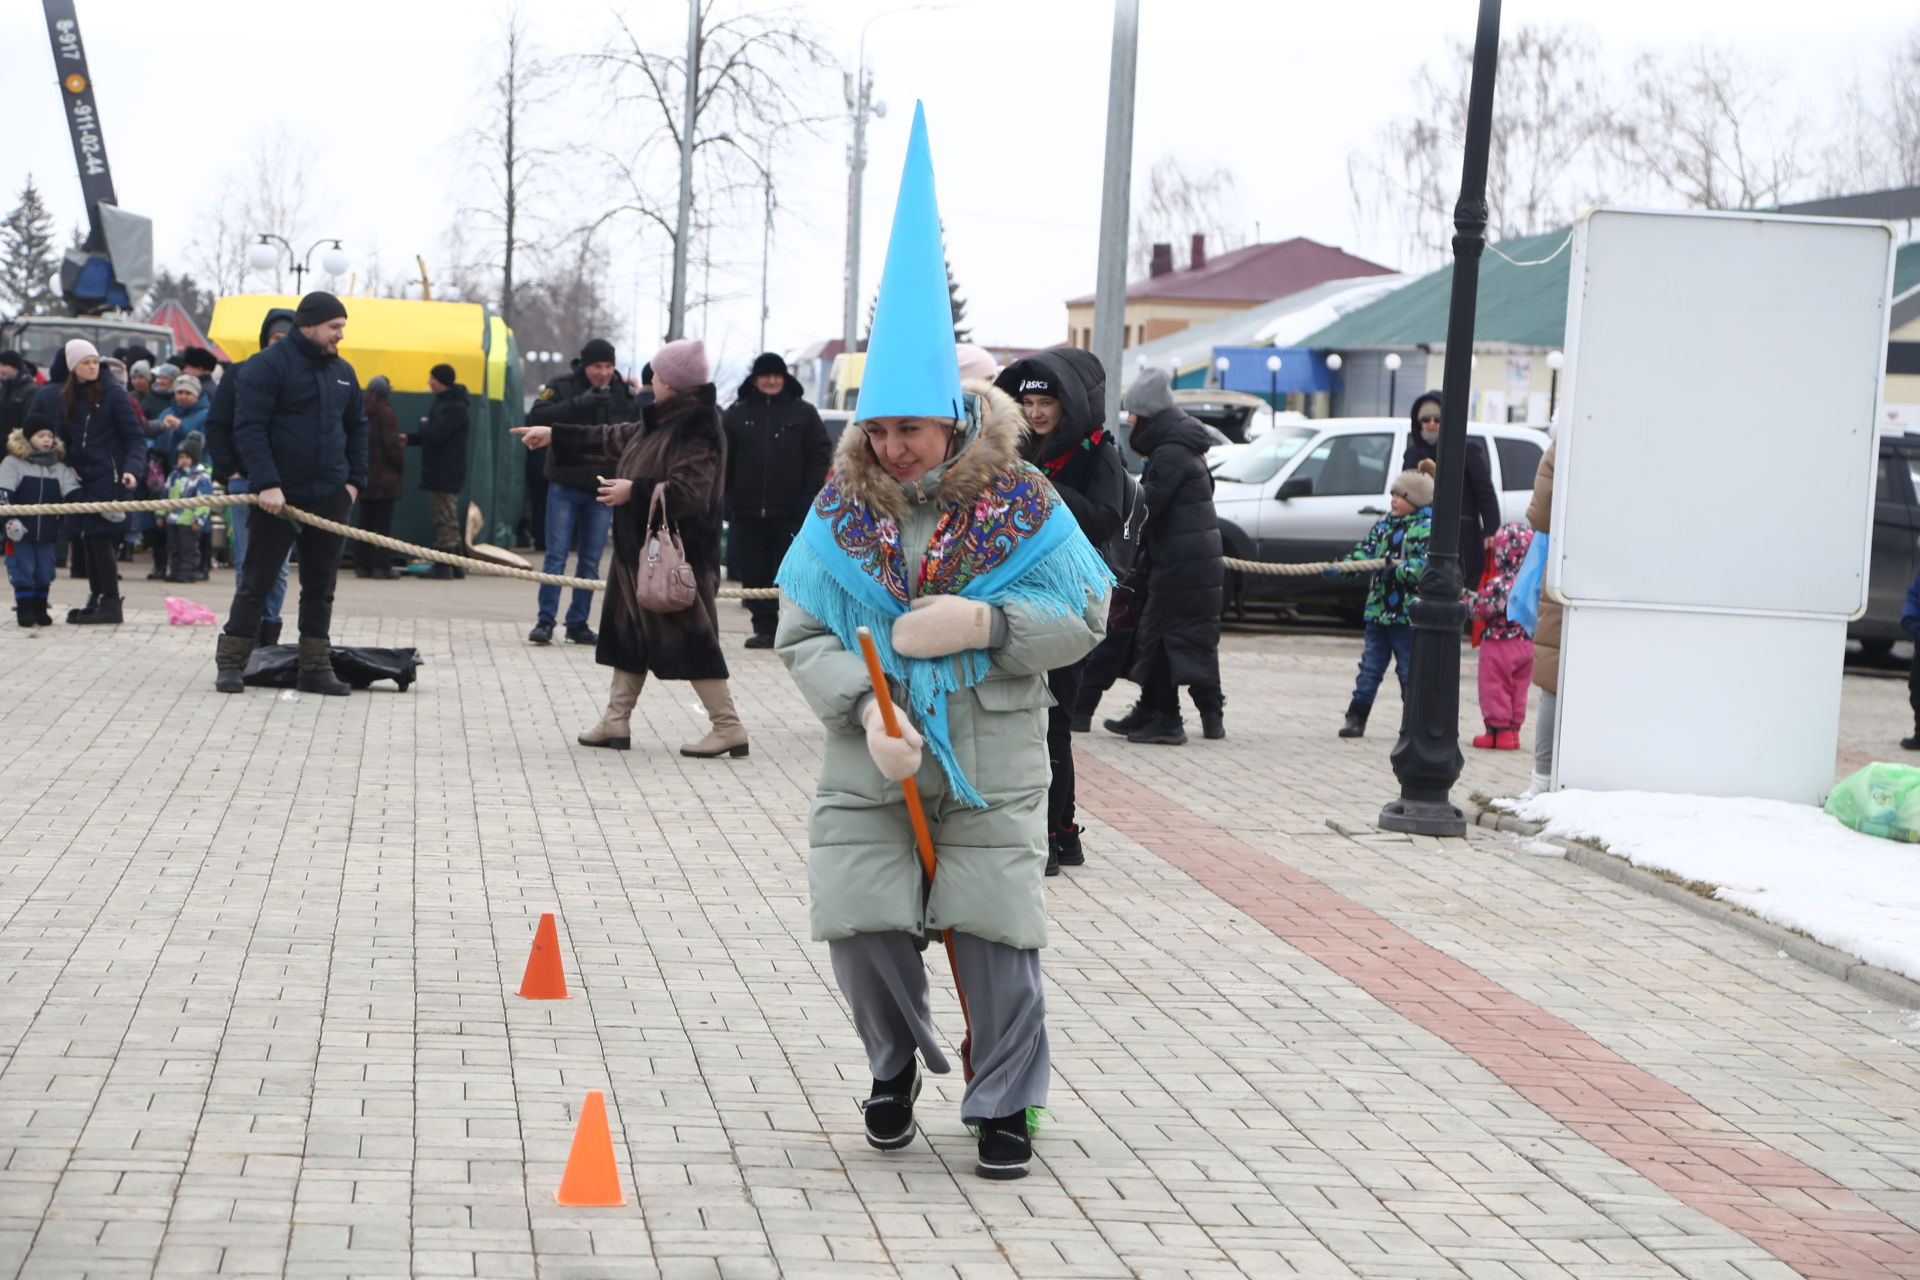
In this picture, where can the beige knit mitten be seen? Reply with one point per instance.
(940, 625)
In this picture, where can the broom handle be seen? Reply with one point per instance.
(917, 814)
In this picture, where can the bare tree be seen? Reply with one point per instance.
(1903, 115)
(1878, 139)
(523, 83)
(271, 194)
(1703, 130)
(1178, 203)
(568, 303)
(752, 79)
(1545, 162)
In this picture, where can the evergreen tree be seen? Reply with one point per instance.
(27, 256)
(185, 290)
(961, 333)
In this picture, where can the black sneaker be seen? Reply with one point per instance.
(542, 633)
(759, 640)
(1132, 722)
(581, 633)
(889, 1111)
(1006, 1147)
(1065, 846)
(1161, 731)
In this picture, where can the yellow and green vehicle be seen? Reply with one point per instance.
(403, 339)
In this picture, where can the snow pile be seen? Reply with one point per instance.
(1787, 863)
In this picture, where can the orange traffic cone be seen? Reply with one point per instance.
(544, 978)
(592, 1179)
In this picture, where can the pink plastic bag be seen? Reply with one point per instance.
(185, 613)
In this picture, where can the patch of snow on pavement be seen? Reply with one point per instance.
(1787, 863)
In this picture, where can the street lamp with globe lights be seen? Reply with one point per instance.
(1334, 364)
(264, 255)
(1273, 382)
(1555, 359)
(1393, 381)
(1220, 366)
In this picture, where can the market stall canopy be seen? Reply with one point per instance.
(397, 337)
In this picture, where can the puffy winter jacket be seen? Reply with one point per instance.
(298, 421)
(32, 482)
(442, 438)
(777, 452)
(223, 457)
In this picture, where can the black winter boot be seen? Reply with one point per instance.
(1356, 725)
(315, 674)
(41, 616)
(105, 611)
(1161, 731)
(1130, 723)
(230, 654)
(1063, 847)
(93, 600)
(1913, 743)
(1006, 1147)
(889, 1110)
(24, 614)
(1212, 706)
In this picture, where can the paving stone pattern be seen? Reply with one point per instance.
(258, 1014)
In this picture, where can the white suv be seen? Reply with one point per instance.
(1309, 492)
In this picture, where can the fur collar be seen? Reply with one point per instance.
(681, 403)
(17, 445)
(994, 451)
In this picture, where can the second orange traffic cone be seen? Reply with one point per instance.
(544, 979)
(592, 1179)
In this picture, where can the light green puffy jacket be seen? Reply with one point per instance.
(864, 871)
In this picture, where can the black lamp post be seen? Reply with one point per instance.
(1554, 361)
(1393, 382)
(1273, 382)
(1334, 362)
(1427, 757)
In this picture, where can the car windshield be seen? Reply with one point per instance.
(1258, 462)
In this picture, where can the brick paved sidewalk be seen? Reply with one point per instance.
(259, 956)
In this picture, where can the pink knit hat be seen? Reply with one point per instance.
(682, 365)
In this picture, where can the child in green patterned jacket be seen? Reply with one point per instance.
(183, 527)
(1401, 540)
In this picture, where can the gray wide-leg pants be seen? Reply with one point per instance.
(884, 977)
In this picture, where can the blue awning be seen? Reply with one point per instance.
(1300, 370)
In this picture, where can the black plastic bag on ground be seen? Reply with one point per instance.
(276, 666)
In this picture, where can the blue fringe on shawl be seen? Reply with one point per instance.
(1052, 571)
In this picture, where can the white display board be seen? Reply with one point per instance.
(1713, 496)
(1724, 371)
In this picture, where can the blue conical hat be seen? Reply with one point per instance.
(911, 367)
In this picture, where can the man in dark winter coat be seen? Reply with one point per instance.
(1479, 502)
(443, 462)
(230, 469)
(1178, 638)
(1062, 393)
(777, 458)
(299, 427)
(593, 395)
(16, 392)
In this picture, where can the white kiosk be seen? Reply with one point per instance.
(1713, 496)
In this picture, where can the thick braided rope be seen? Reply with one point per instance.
(530, 575)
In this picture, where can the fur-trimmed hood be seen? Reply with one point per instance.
(18, 446)
(992, 450)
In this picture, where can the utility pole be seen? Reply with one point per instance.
(677, 316)
(1110, 289)
(766, 241)
(859, 91)
(1426, 759)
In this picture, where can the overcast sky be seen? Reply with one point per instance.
(1015, 90)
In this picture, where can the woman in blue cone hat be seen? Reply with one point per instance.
(975, 581)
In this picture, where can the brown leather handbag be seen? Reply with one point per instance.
(663, 581)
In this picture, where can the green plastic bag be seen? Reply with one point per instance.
(1880, 800)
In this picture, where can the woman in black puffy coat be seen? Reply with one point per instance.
(1178, 639)
(107, 449)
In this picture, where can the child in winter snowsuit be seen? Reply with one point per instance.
(1506, 650)
(1401, 540)
(33, 473)
(184, 527)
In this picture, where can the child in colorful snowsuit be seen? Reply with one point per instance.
(1506, 650)
(184, 527)
(34, 472)
(1401, 540)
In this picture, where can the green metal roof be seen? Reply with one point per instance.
(1906, 268)
(1526, 306)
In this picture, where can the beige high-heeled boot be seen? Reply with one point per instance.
(728, 737)
(612, 731)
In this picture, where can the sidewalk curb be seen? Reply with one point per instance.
(1880, 983)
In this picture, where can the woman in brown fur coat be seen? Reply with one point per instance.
(677, 445)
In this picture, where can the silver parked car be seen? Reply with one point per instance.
(1309, 492)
